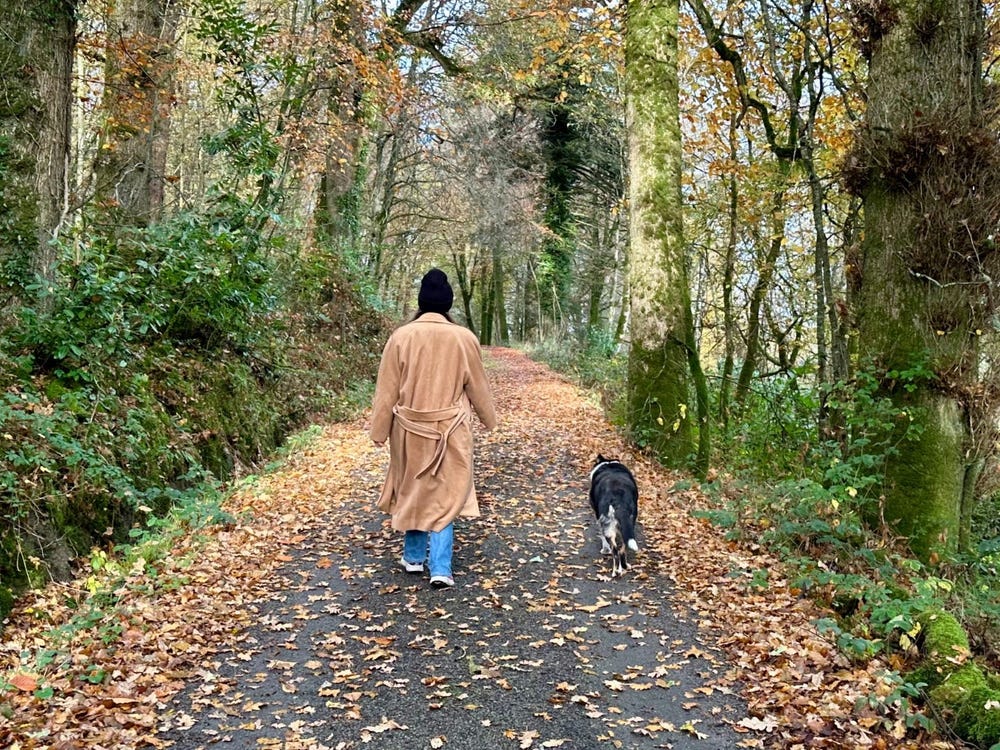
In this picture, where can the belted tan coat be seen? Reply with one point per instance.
(430, 380)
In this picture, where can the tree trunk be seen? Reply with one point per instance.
(702, 402)
(821, 263)
(466, 284)
(658, 377)
(728, 282)
(338, 217)
(499, 301)
(487, 313)
(130, 170)
(921, 295)
(765, 275)
(37, 49)
(561, 161)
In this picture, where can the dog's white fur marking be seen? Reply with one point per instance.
(601, 464)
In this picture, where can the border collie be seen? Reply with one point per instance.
(614, 496)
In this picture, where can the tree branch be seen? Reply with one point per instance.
(726, 53)
(422, 39)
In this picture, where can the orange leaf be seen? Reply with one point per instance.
(24, 682)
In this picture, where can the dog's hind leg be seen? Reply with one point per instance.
(609, 531)
(619, 562)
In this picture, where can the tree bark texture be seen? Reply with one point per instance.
(658, 377)
(130, 169)
(922, 283)
(35, 118)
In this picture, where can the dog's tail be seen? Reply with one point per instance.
(627, 526)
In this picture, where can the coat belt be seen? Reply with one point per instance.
(424, 424)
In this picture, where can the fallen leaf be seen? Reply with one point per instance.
(24, 682)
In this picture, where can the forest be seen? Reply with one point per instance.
(762, 234)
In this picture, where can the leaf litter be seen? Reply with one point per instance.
(292, 628)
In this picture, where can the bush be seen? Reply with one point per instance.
(195, 280)
(769, 434)
(165, 358)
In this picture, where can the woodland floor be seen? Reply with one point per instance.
(294, 627)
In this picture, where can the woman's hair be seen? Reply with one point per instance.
(421, 312)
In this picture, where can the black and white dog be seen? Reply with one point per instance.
(614, 496)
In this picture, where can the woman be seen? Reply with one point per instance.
(430, 379)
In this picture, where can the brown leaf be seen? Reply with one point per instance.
(24, 682)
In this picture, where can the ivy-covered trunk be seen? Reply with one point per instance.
(928, 176)
(342, 185)
(658, 379)
(561, 162)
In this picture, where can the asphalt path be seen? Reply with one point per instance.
(535, 647)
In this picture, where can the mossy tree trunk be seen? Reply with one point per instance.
(338, 214)
(35, 76)
(658, 379)
(930, 182)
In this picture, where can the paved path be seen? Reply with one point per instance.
(535, 647)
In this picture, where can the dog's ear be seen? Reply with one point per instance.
(600, 459)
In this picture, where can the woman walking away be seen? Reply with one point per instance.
(430, 379)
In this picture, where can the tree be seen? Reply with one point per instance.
(130, 171)
(37, 50)
(926, 165)
(560, 146)
(662, 330)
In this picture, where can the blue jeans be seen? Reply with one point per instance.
(442, 543)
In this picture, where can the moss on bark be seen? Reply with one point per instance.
(659, 379)
(945, 645)
(958, 685)
(927, 476)
(913, 300)
(978, 719)
(958, 688)
(658, 396)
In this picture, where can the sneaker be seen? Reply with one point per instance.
(411, 567)
(442, 582)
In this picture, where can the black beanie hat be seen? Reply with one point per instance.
(435, 292)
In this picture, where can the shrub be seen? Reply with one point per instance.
(195, 280)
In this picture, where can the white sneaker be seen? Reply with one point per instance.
(411, 567)
(442, 582)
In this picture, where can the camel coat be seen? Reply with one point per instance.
(430, 379)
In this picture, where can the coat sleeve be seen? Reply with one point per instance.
(477, 388)
(386, 393)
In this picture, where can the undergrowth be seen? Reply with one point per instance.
(164, 360)
(814, 500)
